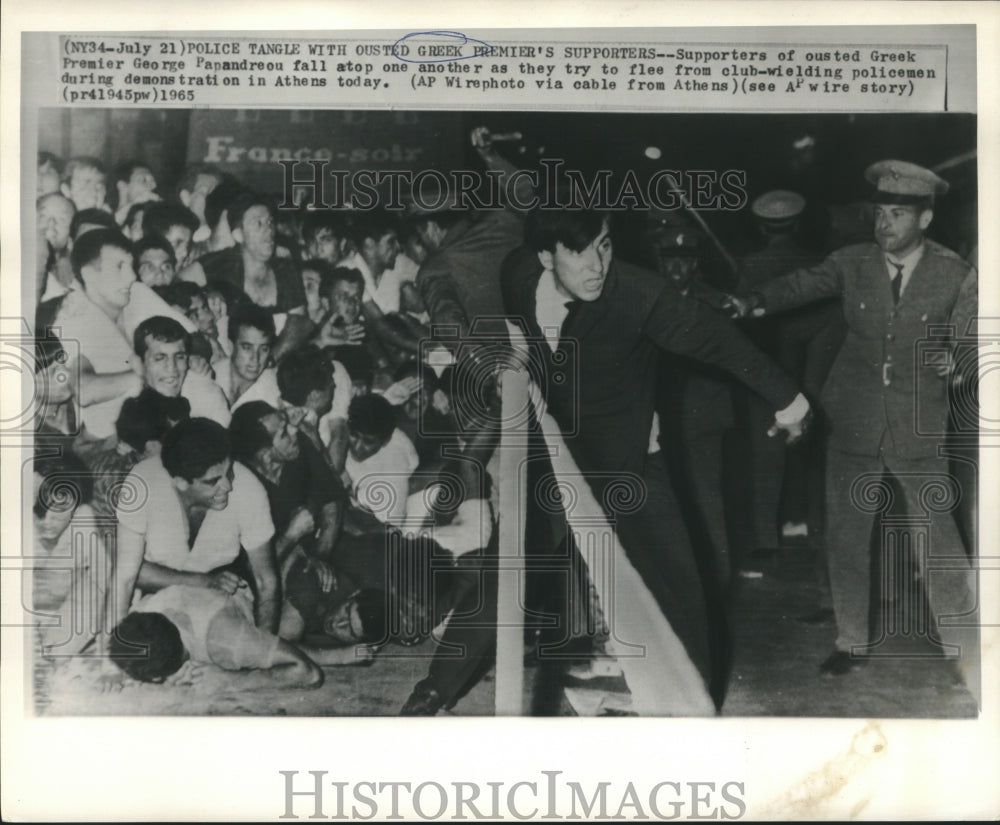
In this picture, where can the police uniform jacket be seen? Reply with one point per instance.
(883, 390)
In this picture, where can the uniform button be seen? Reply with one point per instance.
(890, 337)
(888, 359)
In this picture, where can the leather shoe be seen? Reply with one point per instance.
(424, 701)
(839, 663)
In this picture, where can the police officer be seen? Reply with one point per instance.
(886, 399)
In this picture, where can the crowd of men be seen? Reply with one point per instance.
(280, 427)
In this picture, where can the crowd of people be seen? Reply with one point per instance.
(279, 461)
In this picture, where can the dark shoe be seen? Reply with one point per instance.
(839, 663)
(424, 701)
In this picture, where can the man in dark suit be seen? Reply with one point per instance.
(597, 326)
(886, 399)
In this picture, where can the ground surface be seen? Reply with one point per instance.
(774, 671)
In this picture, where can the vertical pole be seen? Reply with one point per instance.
(509, 699)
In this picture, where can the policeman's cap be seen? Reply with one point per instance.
(900, 182)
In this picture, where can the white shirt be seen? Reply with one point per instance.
(265, 388)
(382, 481)
(909, 264)
(143, 304)
(206, 398)
(104, 344)
(550, 308)
(160, 518)
(385, 295)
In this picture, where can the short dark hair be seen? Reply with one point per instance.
(200, 346)
(372, 415)
(337, 275)
(247, 430)
(374, 224)
(161, 650)
(147, 242)
(242, 203)
(148, 416)
(159, 328)
(180, 294)
(573, 228)
(66, 482)
(88, 247)
(160, 216)
(302, 371)
(315, 220)
(193, 446)
(323, 268)
(95, 216)
(246, 314)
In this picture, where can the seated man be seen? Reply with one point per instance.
(85, 183)
(54, 213)
(245, 376)
(91, 315)
(253, 268)
(174, 224)
(134, 183)
(201, 514)
(191, 300)
(154, 261)
(163, 344)
(69, 557)
(305, 496)
(181, 622)
(380, 459)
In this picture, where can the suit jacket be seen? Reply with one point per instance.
(881, 389)
(600, 384)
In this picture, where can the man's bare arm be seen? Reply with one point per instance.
(267, 608)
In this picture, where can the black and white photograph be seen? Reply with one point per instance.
(509, 378)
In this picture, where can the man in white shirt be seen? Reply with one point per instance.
(245, 376)
(163, 345)
(92, 316)
(199, 510)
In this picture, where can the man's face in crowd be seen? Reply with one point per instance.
(140, 185)
(284, 437)
(362, 446)
(310, 283)
(385, 250)
(86, 188)
(179, 237)
(899, 229)
(156, 268)
(325, 245)
(344, 623)
(212, 489)
(110, 277)
(416, 249)
(581, 275)
(55, 214)
(256, 233)
(48, 179)
(251, 349)
(345, 301)
(165, 365)
(201, 315)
